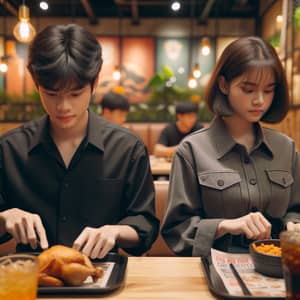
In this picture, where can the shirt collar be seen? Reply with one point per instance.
(41, 131)
(95, 133)
(224, 142)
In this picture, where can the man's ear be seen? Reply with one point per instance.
(223, 86)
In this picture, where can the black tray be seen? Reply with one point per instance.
(115, 281)
(216, 286)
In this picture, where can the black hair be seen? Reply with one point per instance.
(114, 101)
(186, 107)
(63, 57)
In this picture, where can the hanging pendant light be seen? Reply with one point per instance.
(192, 82)
(196, 71)
(3, 65)
(205, 46)
(116, 73)
(24, 32)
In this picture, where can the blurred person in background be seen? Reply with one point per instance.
(115, 108)
(172, 134)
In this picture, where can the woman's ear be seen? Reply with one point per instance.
(223, 86)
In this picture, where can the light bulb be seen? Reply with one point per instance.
(205, 46)
(24, 32)
(116, 74)
(44, 5)
(192, 83)
(205, 50)
(175, 6)
(3, 67)
(196, 71)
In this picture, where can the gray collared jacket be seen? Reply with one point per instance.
(214, 178)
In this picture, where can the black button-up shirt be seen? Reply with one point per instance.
(107, 182)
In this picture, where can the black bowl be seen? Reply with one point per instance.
(266, 264)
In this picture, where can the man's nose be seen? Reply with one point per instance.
(63, 103)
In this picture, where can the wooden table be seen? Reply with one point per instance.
(158, 278)
(160, 166)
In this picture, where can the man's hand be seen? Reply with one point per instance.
(25, 227)
(97, 242)
(254, 226)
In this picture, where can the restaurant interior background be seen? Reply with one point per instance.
(152, 54)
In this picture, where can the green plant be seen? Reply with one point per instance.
(297, 18)
(165, 93)
(274, 40)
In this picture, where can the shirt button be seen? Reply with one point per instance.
(220, 182)
(253, 181)
(63, 218)
(247, 160)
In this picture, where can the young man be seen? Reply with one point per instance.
(171, 136)
(115, 108)
(71, 177)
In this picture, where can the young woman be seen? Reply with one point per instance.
(236, 181)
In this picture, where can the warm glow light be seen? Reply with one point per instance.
(205, 46)
(3, 67)
(279, 19)
(192, 83)
(205, 51)
(175, 6)
(24, 32)
(196, 71)
(116, 74)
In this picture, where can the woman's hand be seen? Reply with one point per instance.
(97, 242)
(293, 226)
(25, 227)
(254, 226)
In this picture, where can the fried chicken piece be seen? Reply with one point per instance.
(60, 265)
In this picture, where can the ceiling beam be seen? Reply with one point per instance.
(135, 12)
(205, 12)
(144, 2)
(89, 11)
(9, 7)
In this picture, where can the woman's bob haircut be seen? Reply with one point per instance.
(240, 56)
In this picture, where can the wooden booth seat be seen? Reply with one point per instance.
(160, 248)
(148, 132)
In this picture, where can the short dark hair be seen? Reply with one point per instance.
(114, 101)
(61, 56)
(240, 56)
(186, 107)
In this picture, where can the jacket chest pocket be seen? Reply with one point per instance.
(280, 186)
(220, 193)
